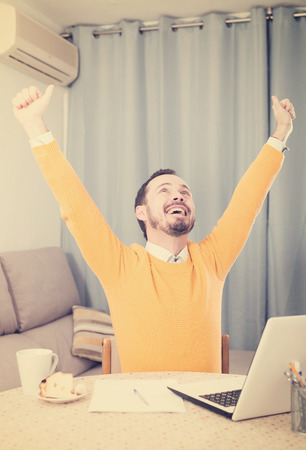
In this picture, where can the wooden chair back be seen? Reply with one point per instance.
(107, 348)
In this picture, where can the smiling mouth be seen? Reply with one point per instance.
(176, 210)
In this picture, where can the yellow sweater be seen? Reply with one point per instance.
(165, 316)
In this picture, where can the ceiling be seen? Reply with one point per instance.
(63, 13)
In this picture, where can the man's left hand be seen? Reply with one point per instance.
(284, 114)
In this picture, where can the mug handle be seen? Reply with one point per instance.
(54, 364)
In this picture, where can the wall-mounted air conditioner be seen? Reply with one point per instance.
(31, 47)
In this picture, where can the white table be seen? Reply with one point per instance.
(29, 423)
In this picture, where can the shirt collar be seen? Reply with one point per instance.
(166, 256)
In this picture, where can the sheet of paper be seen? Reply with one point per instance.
(120, 396)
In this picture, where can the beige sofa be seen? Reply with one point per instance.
(37, 292)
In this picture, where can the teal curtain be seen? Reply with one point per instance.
(287, 212)
(195, 100)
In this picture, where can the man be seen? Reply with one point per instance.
(165, 316)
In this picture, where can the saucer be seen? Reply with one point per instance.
(69, 399)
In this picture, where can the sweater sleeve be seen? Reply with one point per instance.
(105, 254)
(227, 239)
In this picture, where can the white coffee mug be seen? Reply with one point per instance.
(35, 365)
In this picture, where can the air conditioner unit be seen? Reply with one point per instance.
(31, 47)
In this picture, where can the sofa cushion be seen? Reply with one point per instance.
(9, 345)
(8, 320)
(58, 336)
(41, 285)
(90, 326)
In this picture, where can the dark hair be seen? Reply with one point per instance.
(141, 194)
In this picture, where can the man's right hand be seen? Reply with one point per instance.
(29, 106)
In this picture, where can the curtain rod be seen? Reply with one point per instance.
(174, 27)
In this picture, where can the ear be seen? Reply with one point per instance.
(141, 212)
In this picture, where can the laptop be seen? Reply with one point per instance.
(265, 390)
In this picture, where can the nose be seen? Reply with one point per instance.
(178, 197)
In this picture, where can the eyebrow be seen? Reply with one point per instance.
(169, 184)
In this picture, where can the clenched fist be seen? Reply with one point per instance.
(29, 106)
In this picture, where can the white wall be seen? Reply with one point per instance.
(30, 216)
(25, 7)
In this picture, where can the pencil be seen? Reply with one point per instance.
(297, 374)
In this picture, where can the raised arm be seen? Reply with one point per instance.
(101, 248)
(229, 236)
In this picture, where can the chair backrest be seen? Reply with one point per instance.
(106, 356)
(225, 353)
(108, 346)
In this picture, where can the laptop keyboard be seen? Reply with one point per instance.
(226, 399)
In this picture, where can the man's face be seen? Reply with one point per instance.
(169, 206)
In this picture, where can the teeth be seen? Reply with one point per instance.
(176, 211)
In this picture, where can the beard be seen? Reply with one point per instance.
(180, 226)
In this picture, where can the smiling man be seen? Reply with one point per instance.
(165, 299)
(165, 209)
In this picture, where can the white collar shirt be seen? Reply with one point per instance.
(166, 256)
